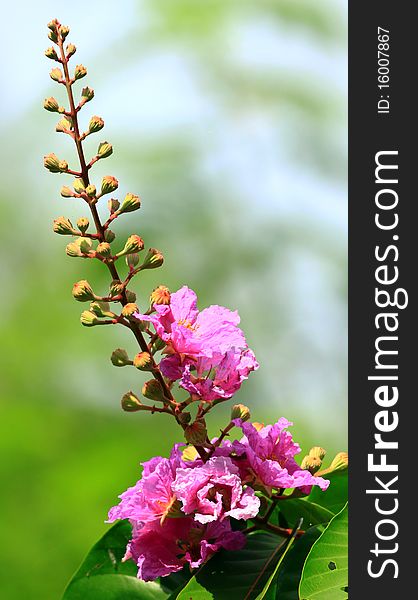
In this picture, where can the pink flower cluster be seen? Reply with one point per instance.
(181, 511)
(206, 351)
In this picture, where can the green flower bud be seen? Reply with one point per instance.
(50, 53)
(311, 464)
(83, 224)
(91, 190)
(79, 72)
(96, 124)
(196, 433)
(63, 226)
(153, 390)
(73, 250)
(63, 166)
(79, 186)
(120, 358)
(53, 36)
(113, 205)
(104, 250)
(133, 244)
(56, 74)
(161, 295)
(239, 411)
(88, 319)
(53, 25)
(64, 31)
(143, 361)
(85, 244)
(130, 296)
(340, 462)
(158, 345)
(131, 403)
(66, 192)
(82, 291)
(54, 165)
(153, 259)
(70, 49)
(129, 309)
(51, 104)
(109, 236)
(104, 150)
(116, 288)
(101, 309)
(87, 94)
(64, 125)
(130, 203)
(109, 184)
(132, 260)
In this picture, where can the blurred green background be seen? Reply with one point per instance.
(228, 117)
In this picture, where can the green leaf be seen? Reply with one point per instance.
(103, 575)
(325, 573)
(335, 497)
(293, 509)
(236, 574)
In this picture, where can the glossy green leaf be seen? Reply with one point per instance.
(325, 573)
(335, 497)
(289, 511)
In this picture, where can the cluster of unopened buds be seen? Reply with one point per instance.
(184, 507)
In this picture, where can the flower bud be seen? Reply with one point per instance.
(63, 166)
(73, 250)
(96, 124)
(159, 344)
(56, 74)
(109, 184)
(130, 203)
(70, 49)
(82, 291)
(83, 224)
(132, 260)
(311, 464)
(184, 418)
(51, 104)
(79, 186)
(53, 25)
(101, 309)
(104, 150)
(120, 358)
(153, 259)
(196, 433)
(87, 94)
(64, 31)
(91, 190)
(52, 163)
(131, 403)
(161, 295)
(239, 411)
(116, 288)
(63, 226)
(79, 72)
(88, 319)
(85, 244)
(113, 205)
(129, 309)
(153, 390)
(143, 361)
(133, 244)
(50, 53)
(109, 236)
(130, 296)
(63, 126)
(317, 452)
(66, 192)
(104, 250)
(53, 36)
(340, 462)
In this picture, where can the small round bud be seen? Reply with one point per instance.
(130, 296)
(82, 291)
(133, 244)
(64, 31)
(96, 124)
(143, 361)
(317, 452)
(63, 166)
(104, 250)
(129, 309)
(101, 309)
(153, 259)
(50, 53)
(54, 165)
(53, 36)
(311, 464)
(239, 411)
(131, 403)
(104, 150)
(113, 205)
(120, 358)
(196, 433)
(63, 126)
(79, 186)
(63, 226)
(109, 184)
(66, 192)
(85, 244)
(184, 418)
(88, 319)
(70, 49)
(87, 94)
(83, 224)
(116, 288)
(51, 104)
(130, 203)
(91, 190)
(132, 260)
(56, 74)
(53, 25)
(109, 236)
(73, 250)
(153, 390)
(79, 72)
(161, 295)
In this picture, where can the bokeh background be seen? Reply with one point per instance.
(228, 117)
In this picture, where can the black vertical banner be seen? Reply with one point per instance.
(383, 307)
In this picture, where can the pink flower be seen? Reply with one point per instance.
(270, 459)
(213, 491)
(189, 332)
(159, 550)
(219, 377)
